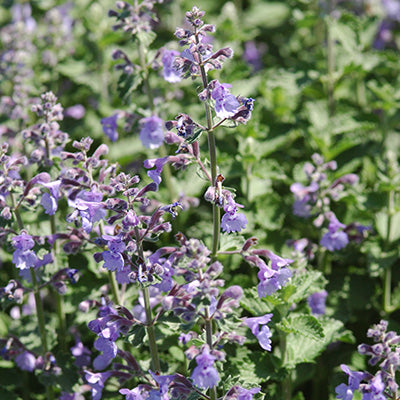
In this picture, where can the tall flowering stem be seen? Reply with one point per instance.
(151, 335)
(213, 159)
(111, 276)
(38, 300)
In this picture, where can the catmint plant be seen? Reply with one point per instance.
(384, 354)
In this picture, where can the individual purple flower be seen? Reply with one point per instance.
(335, 238)
(26, 361)
(263, 335)
(384, 36)
(163, 382)
(271, 280)
(134, 394)
(23, 256)
(109, 125)
(247, 394)
(49, 203)
(317, 302)
(76, 112)
(252, 54)
(392, 9)
(232, 221)
(344, 392)
(151, 132)
(109, 349)
(205, 375)
(81, 354)
(155, 174)
(96, 382)
(170, 73)
(113, 259)
(226, 104)
(355, 377)
(304, 198)
(88, 207)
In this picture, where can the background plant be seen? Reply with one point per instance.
(324, 79)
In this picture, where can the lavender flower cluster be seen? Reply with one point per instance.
(314, 201)
(385, 354)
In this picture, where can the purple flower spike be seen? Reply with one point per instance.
(151, 133)
(170, 73)
(205, 375)
(110, 127)
(263, 335)
(335, 238)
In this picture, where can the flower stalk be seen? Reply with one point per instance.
(151, 335)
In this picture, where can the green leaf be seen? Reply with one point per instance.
(231, 242)
(382, 223)
(267, 15)
(128, 83)
(256, 306)
(303, 285)
(304, 349)
(196, 135)
(146, 38)
(136, 335)
(305, 325)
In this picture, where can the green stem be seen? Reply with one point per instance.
(216, 209)
(209, 333)
(151, 335)
(111, 276)
(114, 287)
(212, 148)
(62, 329)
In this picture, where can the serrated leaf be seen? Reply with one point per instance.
(303, 285)
(231, 242)
(303, 349)
(256, 306)
(146, 38)
(305, 325)
(136, 335)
